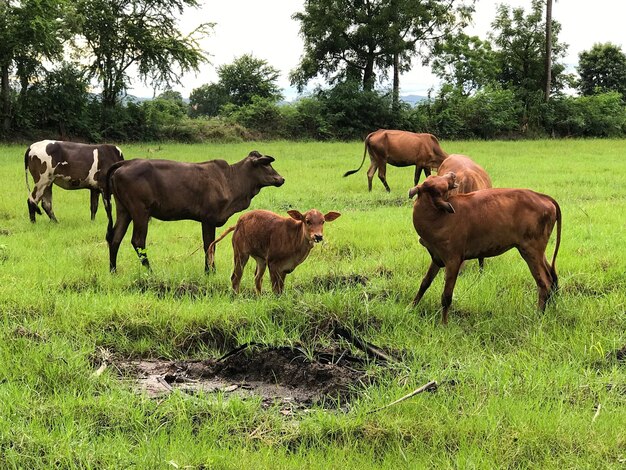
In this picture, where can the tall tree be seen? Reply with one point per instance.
(31, 31)
(547, 70)
(521, 42)
(247, 77)
(355, 39)
(122, 37)
(602, 69)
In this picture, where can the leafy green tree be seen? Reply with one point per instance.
(31, 31)
(466, 62)
(125, 36)
(248, 77)
(602, 69)
(520, 40)
(355, 39)
(206, 100)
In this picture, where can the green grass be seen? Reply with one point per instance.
(518, 388)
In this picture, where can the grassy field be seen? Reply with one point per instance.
(518, 388)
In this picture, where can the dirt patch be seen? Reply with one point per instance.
(280, 375)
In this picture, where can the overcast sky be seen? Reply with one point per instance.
(266, 30)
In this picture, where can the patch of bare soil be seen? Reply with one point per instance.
(276, 374)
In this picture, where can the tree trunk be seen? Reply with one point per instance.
(395, 97)
(368, 75)
(548, 58)
(5, 93)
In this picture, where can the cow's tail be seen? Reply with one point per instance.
(555, 279)
(351, 172)
(106, 198)
(210, 252)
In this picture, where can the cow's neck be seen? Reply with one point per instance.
(242, 188)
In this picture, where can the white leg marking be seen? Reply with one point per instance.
(91, 177)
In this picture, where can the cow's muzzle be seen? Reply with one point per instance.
(279, 181)
(318, 238)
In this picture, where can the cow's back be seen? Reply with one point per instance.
(470, 176)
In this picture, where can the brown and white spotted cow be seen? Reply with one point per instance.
(69, 165)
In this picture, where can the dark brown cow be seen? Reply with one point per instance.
(400, 148)
(208, 192)
(68, 165)
(483, 224)
(470, 176)
(277, 242)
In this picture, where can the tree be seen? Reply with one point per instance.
(466, 62)
(207, 100)
(547, 70)
(125, 36)
(602, 69)
(31, 31)
(520, 40)
(353, 39)
(248, 77)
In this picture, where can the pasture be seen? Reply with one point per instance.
(517, 388)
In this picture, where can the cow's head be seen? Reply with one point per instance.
(264, 174)
(313, 222)
(437, 187)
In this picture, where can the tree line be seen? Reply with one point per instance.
(510, 84)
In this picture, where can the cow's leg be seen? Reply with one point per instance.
(278, 279)
(46, 203)
(240, 260)
(433, 269)
(138, 240)
(260, 271)
(452, 272)
(426, 171)
(370, 174)
(95, 194)
(208, 236)
(537, 264)
(418, 173)
(382, 175)
(122, 222)
(481, 264)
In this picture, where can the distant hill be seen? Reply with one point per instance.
(413, 99)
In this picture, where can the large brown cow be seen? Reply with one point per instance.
(470, 176)
(279, 243)
(400, 148)
(68, 165)
(483, 224)
(208, 192)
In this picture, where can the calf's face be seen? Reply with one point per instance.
(264, 174)
(313, 221)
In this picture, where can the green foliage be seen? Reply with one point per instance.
(248, 77)
(140, 34)
(261, 115)
(602, 69)
(207, 100)
(520, 40)
(352, 40)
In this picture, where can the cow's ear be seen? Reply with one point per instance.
(264, 160)
(331, 216)
(415, 190)
(297, 215)
(443, 205)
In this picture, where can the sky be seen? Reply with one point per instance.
(266, 30)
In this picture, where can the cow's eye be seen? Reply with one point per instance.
(308, 222)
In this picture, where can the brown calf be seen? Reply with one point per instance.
(483, 224)
(279, 243)
(470, 176)
(400, 148)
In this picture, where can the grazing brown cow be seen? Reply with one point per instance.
(470, 176)
(70, 166)
(483, 224)
(400, 148)
(208, 192)
(277, 242)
